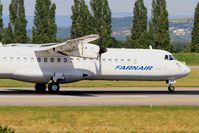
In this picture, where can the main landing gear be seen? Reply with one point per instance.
(40, 88)
(171, 87)
(53, 88)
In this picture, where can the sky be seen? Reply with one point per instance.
(175, 7)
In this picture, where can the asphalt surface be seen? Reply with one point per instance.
(194, 67)
(100, 97)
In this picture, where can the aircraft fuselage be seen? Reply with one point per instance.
(24, 64)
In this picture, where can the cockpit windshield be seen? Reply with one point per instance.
(172, 57)
(169, 57)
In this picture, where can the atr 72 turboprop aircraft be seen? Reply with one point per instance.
(77, 59)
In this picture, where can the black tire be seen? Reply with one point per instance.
(53, 88)
(171, 89)
(40, 88)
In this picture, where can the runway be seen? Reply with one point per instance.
(100, 97)
(194, 67)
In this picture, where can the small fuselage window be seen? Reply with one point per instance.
(18, 59)
(45, 59)
(25, 59)
(65, 60)
(32, 59)
(5, 59)
(58, 60)
(51, 60)
(11, 59)
(39, 59)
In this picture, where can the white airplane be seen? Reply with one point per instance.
(77, 59)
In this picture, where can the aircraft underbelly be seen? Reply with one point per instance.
(31, 75)
(133, 77)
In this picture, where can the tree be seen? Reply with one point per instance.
(44, 29)
(1, 21)
(52, 24)
(17, 22)
(139, 28)
(81, 20)
(159, 26)
(195, 32)
(7, 35)
(102, 21)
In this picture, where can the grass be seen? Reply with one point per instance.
(101, 119)
(190, 81)
(189, 58)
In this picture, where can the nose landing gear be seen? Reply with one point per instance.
(171, 86)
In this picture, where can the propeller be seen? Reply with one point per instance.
(102, 48)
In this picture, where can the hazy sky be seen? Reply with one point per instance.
(175, 7)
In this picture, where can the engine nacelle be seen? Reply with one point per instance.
(70, 76)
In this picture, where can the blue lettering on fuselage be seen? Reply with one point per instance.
(138, 68)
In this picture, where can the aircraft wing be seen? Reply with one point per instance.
(79, 47)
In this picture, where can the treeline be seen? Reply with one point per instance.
(97, 20)
(43, 31)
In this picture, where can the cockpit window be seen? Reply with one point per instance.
(169, 57)
(166, 57)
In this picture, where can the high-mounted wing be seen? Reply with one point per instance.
(79, 47)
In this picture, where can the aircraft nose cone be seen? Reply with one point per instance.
(187, 70)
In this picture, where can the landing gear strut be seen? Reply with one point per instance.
(171, 87)
(53, 88)
(40, 88)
